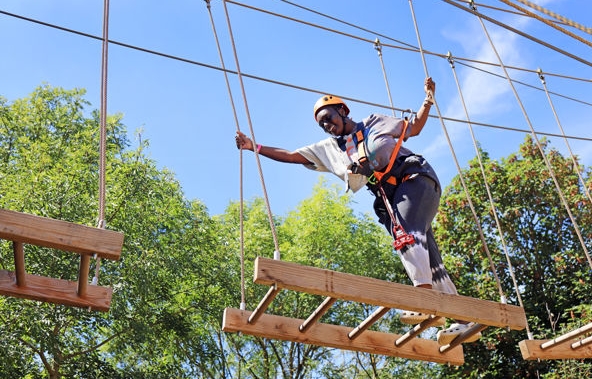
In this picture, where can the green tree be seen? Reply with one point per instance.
(548, 261)
(162, 316)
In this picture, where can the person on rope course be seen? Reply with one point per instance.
(369, 153)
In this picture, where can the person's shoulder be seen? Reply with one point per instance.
(375, 118)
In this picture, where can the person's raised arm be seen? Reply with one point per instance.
(418, 122)
(281, 155)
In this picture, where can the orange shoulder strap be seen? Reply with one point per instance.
(378, 174)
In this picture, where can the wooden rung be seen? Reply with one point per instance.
(416, 330)
(296, 277)
(567, 336)
(317, 314)
(368, 322)
(531, 349)
(58, 291)
(61, 235)
(335, 336)
(477, 328)
(19, 263)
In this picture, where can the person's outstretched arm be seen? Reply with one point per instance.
(421, 118)
(281, 155)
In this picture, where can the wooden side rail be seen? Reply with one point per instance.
(335, 336)
(61, 235)
(22, 228)
(57, 291)
(296, 277)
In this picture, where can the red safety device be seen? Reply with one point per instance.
(402, 238)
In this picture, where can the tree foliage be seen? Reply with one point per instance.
(180, 267)
(547, 260)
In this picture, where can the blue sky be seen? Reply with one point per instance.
(184, 110)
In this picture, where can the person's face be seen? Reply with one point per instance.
(330, 120)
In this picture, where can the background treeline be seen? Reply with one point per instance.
(180, 267)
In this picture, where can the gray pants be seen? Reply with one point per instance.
(415, 203)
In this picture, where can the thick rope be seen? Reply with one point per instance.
(103, 130)
(257, 158)
(241, 187)
(572, 155)
(378, 48)
(547, 22)
(540, 147)
(516, 31)
(557, 16)
(489, 195)
(461, 176)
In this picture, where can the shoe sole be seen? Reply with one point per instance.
(445, 338)
(417, 318)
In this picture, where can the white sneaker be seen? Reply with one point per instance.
(414, 318)
(448, 335)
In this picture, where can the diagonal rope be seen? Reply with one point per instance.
(490, 197)
(461, 176)
(378, 47)
(241, 187)
(536, 139)
(257, 158)
(572, 155)
(547, 22)
(557, 16)
(516, 31)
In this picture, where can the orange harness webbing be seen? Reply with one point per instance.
(401, 237)
(378, 176)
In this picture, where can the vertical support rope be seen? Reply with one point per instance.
(538, 143)
(489, 195)
(257, 158)
(572, 155)
(103, 130)
(241, 190)
(378, 47)
(461, 176)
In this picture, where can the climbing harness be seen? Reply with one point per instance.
(376, 178)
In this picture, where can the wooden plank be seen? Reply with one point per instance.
(335, 336)
(531, 349)
(361, 289)
(57, 291)
(61, 235)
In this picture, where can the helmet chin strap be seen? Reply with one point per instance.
(343, 123)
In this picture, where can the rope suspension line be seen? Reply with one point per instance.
(538, 143)
(349, 24)
(241, 159)
(547, 22)
(103, 133)
(257, 158)
(528, 85)
(572, 155)
(461, 176)
(489, 195)
(378, 48)
(516, 31)
(556, 16)
(271, 81)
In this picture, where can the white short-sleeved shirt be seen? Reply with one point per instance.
(328, 156)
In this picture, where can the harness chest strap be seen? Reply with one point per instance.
(378, 176)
